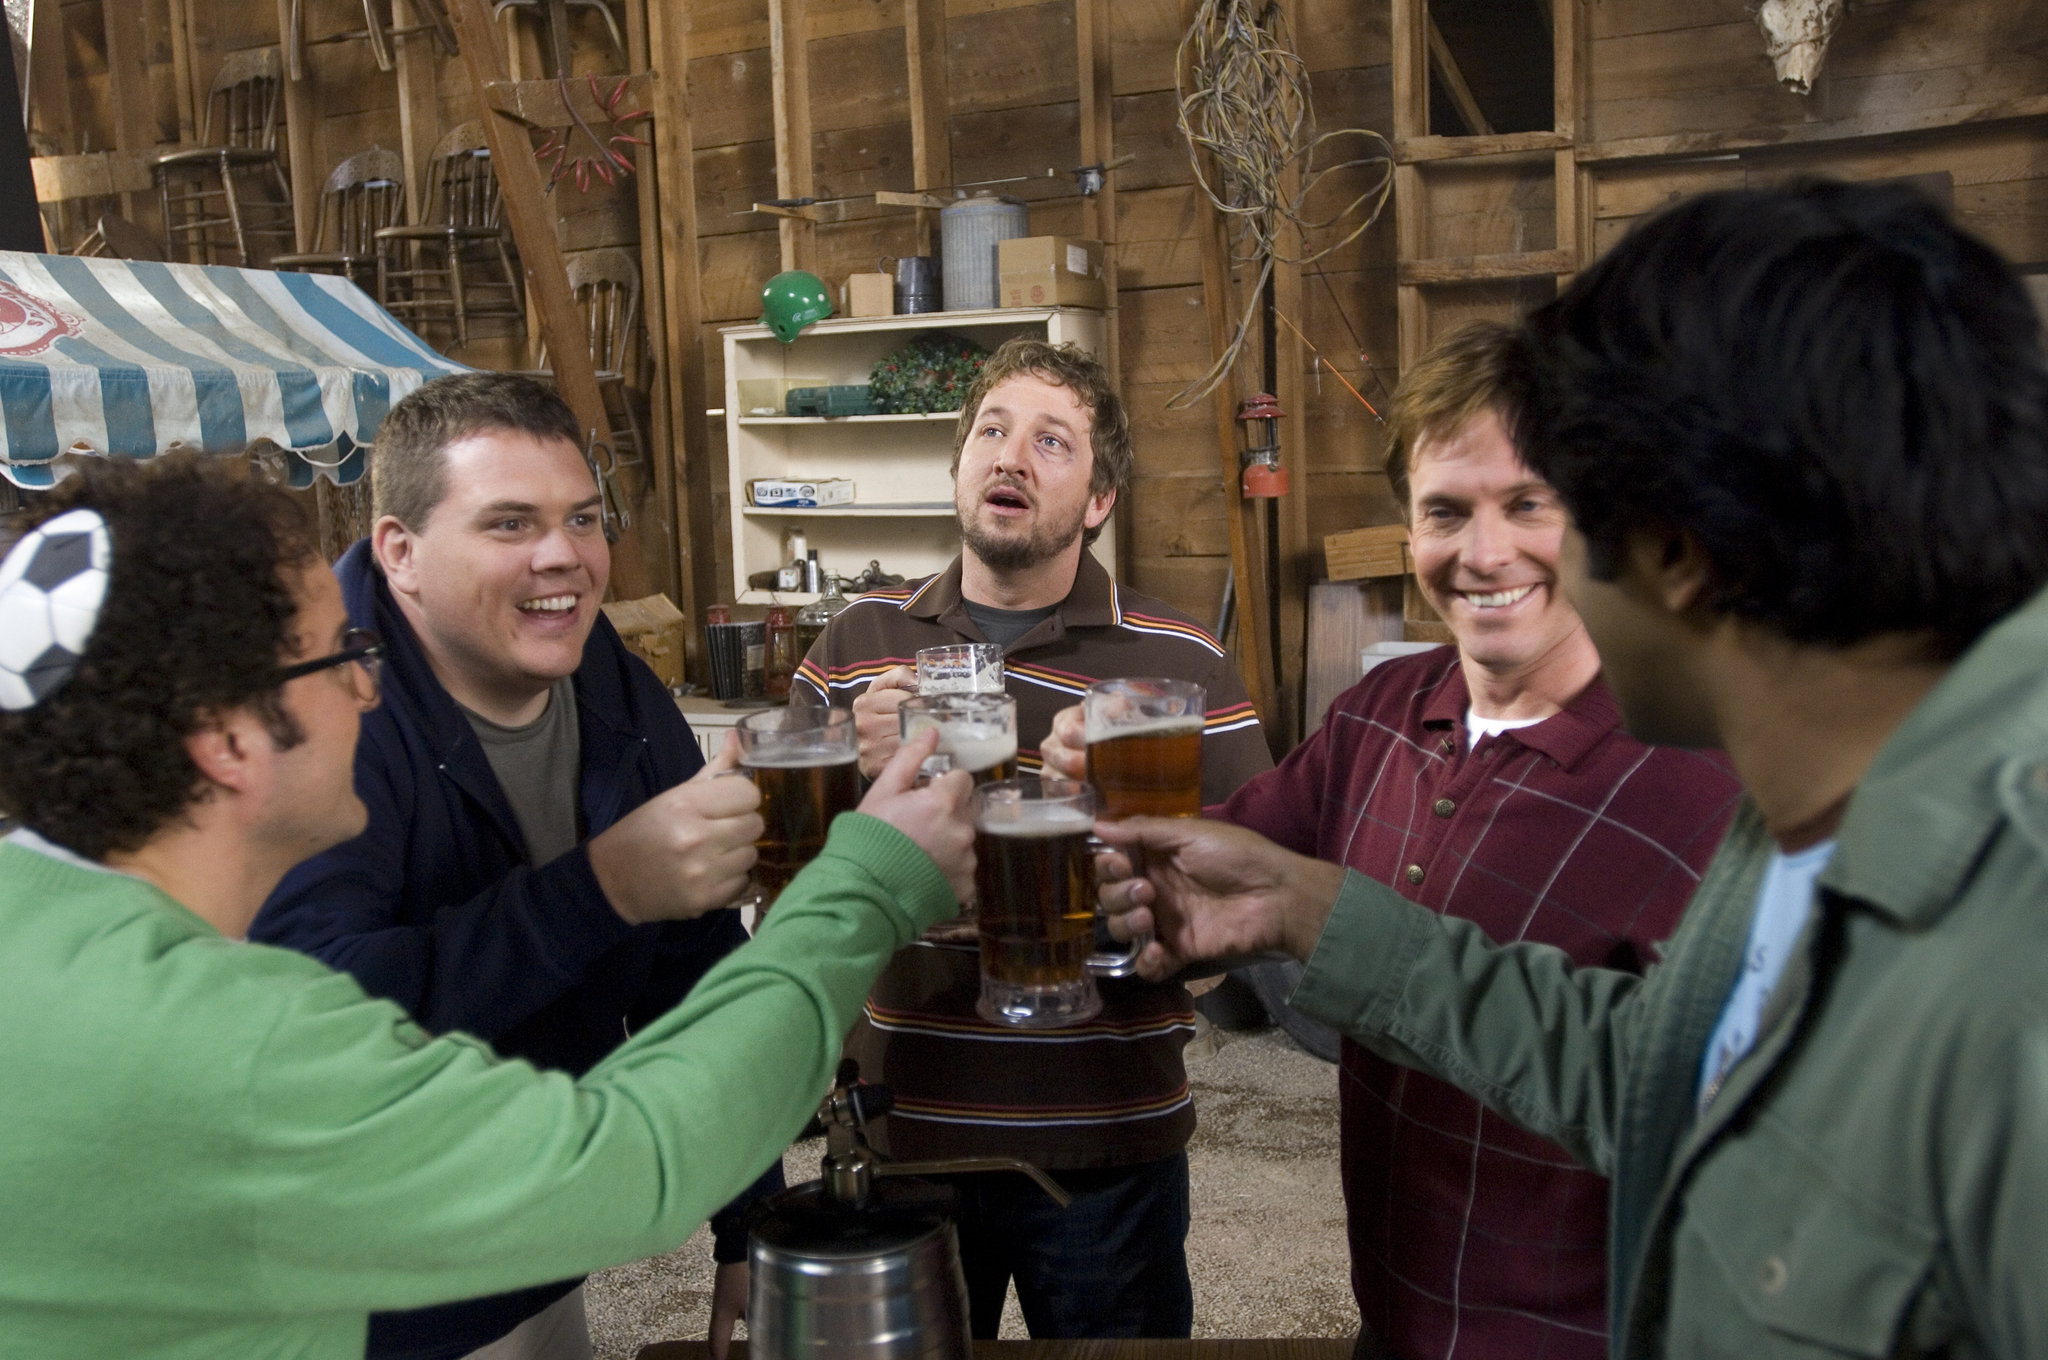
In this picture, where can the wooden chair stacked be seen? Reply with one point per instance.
(606, 284)
(229, 182)
(455, 266)
(364, 195)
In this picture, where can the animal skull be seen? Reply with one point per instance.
(1796, 34)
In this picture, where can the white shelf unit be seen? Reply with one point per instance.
(902, 514)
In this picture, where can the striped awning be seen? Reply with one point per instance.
(129, 359)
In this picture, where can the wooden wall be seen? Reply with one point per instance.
(1011, 70)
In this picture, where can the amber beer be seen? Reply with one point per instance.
(801, 792)
(804, 761)
(1035, 882)
(1145, 746)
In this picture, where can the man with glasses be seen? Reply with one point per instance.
(221, 1150)
(540, 865)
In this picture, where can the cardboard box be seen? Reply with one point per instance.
(1050, 271)
(652, 629)
(787, 494)
(1378, 551)
(870, 295)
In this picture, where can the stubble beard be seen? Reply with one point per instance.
(1007, 553)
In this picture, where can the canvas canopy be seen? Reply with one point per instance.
(131, 359)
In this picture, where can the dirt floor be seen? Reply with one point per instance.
(1266, 1252)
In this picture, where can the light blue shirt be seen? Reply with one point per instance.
(1782, 907)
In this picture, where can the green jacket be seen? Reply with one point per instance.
(216, 1150)
(1872, 1179)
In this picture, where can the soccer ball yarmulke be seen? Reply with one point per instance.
(51, 586)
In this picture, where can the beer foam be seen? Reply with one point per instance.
(1178, 725)
(975, 754)
(1029, 818)
(799, 758)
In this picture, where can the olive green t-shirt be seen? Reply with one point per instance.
(538, 767)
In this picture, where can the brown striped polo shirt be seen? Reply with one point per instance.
(1112, 1091)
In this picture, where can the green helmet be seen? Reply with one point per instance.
(791, 301)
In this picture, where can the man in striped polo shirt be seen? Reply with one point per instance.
(1043, 451)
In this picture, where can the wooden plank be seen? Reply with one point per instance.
(1838, 132)
(184, 96)
(1422, 150)
(859, 81)
(1025, 140)
(1009, 58)
(94, 174)
(302, 144)
(134, 127)
(668, 496)
(49, 79)
(1343, 619)
(1095, 81)
(732, 99)
(547, 282)
(1297, 549)
(1381, 550)
(1410, 222)
(1409, 56)
(419, 126)
(789, 54)
(1180, 515)
(931, 129)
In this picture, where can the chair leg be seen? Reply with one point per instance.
(461, 299)
(227, 185)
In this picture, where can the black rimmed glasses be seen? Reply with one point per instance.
(358, 645)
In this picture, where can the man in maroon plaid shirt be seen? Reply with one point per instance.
(1491, 781)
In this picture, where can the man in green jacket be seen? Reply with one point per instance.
(220, 1149)
(1804, 437)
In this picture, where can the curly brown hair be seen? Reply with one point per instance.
(1064, 365)
(198, 612)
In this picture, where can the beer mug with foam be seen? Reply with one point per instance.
(977, 733)
(1034, 876)
(1145, 746)
(803, 760)
(966, 668)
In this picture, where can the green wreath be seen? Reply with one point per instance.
(931, 373)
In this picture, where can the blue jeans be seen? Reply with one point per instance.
(1112, 1264)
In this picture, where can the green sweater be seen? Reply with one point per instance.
(215, 1149)
(1872, 1179)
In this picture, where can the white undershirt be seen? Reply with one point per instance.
(1783, 904)
(1480, 728)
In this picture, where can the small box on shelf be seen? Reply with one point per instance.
(1050, 271)
(870, 295)
(787, 494)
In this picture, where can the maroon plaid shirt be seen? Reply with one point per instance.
(1471, 1237)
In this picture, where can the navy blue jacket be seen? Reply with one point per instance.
(435, 906)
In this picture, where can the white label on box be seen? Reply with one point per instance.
(1077, 260)
(767, 491)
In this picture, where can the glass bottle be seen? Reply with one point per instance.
(812, 618)
(782, 653)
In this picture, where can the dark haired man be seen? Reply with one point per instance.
(1804, 436)
(1042, 452)
(537, 870)
(221, 1150)
(1490, 781)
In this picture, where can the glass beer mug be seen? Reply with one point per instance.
(977, 733)
(803, 760)
(1034, 878)
(1145, 746)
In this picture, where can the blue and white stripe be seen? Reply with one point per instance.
(193, 356)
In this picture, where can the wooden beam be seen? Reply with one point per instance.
(664, 563)
(1297, 549)
(931, 133)
(419, 105)
(1570, 24)
(1410, 209)
(1867, 127)
(95, 174)
(49, 76)
(547, 283)
(302, 143)
(1485, 268)
(1095, 75)
(1501, 145)
(1409, 32)
(688, 448)
(1453, 77)
(128, 85)
(181, 68)
(1247, 567)
(790, 64)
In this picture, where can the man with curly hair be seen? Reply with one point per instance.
(216, 1150)
(539, 868)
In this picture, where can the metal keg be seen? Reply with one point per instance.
(968, 232)
(881, 1282)
(863, 1263)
